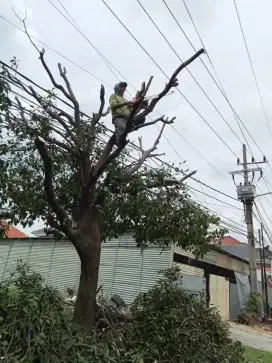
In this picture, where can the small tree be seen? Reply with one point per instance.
(91, 191)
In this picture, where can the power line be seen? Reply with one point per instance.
(80, 67)
(252, 68)
(214, 212)
(236, 229)
(219, 86)
(57, 52)
(107, 62)
(76, 26)
(134, 145)
(167, 41)
(219, 200)
(191, 74)
(86, 115)
(266, 228)
(134, 88)
(221, 89)
(159, 67)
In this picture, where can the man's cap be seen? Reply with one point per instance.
(123, 84)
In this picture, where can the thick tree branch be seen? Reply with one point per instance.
(69, 95)
(141, 96)
(73, 98)
(21, 110)
(162, 119)
(102, 104)
(55, 84)
(173, 82)
(105, 160)
(97, 116)
(65, 114)
(65, 224)
(187, 176)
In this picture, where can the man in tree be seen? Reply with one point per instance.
(120, 109)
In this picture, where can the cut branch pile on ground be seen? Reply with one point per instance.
(168, 325)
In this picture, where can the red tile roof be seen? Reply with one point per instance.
(13, 232)
(230, 241)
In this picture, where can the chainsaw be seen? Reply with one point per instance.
(149, 98)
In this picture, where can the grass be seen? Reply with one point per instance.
(255, 354)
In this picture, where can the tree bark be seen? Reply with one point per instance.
(84, 312)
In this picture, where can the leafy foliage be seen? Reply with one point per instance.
(126, 202)
(3, 230)
(170, 325)
(253, 303)
(5, 102)
(251, 310)
(35, 325)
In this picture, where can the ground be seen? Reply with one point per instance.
(255, 354)
(252, 338)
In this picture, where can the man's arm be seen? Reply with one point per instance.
(115, 103)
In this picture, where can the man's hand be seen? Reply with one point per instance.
(129, 104)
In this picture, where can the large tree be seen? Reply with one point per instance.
(56, 166)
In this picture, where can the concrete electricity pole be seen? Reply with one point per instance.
(246, 192)
(264, 281)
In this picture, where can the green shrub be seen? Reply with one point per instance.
(35, 325)
(170, 325)
(253, 304)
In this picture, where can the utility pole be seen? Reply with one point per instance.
(262, 271)
(266, 304)
(246, 192)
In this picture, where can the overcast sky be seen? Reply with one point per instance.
(219, 28)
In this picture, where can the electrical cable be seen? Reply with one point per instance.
(252, 68)
(220, 86)
(214, 212)
(221, 89)
(57, 52)
(86, 115)
(191, 74)
(160, 115)
(107, 62)
(190, 187)
(159, 67)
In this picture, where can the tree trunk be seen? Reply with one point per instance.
(90, 260)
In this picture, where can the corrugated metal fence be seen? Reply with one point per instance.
(124, 268)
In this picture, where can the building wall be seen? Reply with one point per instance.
(124, 268)
(193, 280)
(219, 259)
(220, 295)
